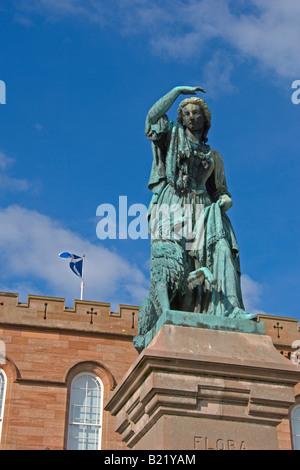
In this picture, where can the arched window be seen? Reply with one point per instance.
(2, 397)
(85, 414)
(295, 423)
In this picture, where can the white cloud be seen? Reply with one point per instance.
(5, 161)
(39, 127)
(272, 35)
(252, 293)
(217, 74)
(23, 20)
(9, 183)
(266, 31)
(30, 244)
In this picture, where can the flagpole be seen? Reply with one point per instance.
(82, 279)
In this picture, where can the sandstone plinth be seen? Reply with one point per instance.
(199, 388)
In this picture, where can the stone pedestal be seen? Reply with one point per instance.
(200, 388)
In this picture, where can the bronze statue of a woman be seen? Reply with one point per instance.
(194, 270)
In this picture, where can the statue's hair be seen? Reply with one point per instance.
(206, 112)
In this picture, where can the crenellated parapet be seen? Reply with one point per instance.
(51, 312)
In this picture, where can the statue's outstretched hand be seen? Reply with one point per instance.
(200, 275)
(225, 202)
(163, 104)
(190, 90)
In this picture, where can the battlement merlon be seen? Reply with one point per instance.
(51, 312)
(284, 331)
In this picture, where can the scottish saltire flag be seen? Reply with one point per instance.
(76, 262)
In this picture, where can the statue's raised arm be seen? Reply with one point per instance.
(163, 105)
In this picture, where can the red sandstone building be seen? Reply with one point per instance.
(60, 365)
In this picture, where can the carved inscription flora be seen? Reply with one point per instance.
(205, 443)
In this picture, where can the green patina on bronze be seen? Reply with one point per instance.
(197, 272)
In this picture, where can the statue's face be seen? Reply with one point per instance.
(193, 117)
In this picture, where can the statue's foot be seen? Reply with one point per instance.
(239, 313)
(197, 277)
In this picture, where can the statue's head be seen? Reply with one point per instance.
(195, 114)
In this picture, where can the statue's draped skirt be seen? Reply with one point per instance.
(180, 172)
(206, 236)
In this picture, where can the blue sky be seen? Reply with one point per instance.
(80, 78)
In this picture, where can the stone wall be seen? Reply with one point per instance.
(45, 349)
(47, 344)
